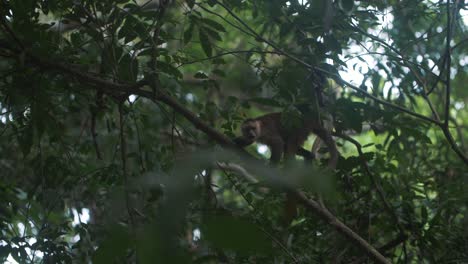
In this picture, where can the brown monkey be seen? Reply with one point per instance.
(248, 138)
(268, 130)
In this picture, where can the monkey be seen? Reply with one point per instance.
(268, 130)
(245, 140)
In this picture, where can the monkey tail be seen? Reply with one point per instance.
(290, 209)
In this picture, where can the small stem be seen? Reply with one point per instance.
(449, 62)
(123, 154)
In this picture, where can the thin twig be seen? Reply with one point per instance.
(373, 180)
(228, 53)
(243, 172)
(137, 130)
(453, 144)
(445, 130)
(127, 89)
(11, 33)
(94, 134)
(339, 226)
(123, 153)
(389, 245)
(261, 38)
(449, 62)
(227, 21)
(335, 76)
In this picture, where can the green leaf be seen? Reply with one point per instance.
(218, 61)
(285, 29)
(128, 68)
(347, 5)
(188, 34)
(265, 101)
(169, 69)
(235, 234)
(200, 75)
(213, 24)
(25, 139)
(76, 39)
(212, 3)
(329, 69)
(308, 41)
(213, 34)
(5, 251)
(113, 247)
(126, 32)
(205, 42)
(424, 214)
(332, 43)
(190, 3)
(219, 72)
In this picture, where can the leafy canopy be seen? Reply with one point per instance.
(116, 120)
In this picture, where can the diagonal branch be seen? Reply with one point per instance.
(335, 76)
(374, 182)
(112, 87)
(339, 226)
(442, 125)
(10, 32)
(123, 156)
(449, 62)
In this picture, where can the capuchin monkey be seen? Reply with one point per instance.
(268, 130)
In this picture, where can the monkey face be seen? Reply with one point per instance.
(250, 130)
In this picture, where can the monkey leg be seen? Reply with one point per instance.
(307, 155)
(290, 209)
(276, 148)
(290, 205)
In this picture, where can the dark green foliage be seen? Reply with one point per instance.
(86, 127)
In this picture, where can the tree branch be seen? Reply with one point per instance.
(444, 126)
(234, 52)
(373, 180)
(123, 155)
(337, 77)
(221, 139)
(339, 226)
(449, 62)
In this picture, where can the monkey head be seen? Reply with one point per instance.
(251, 129)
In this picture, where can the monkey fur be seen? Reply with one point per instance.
(268, 130)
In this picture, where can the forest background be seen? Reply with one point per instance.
(117, 120)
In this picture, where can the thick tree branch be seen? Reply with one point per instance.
(389, 245)
(374, 182)
(339, 226)
(453, 144)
